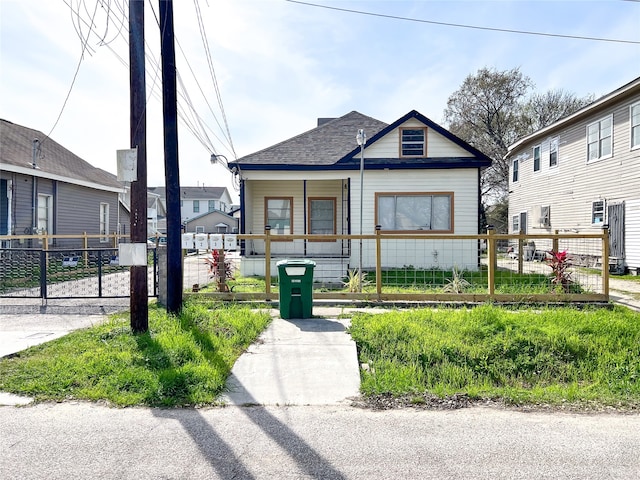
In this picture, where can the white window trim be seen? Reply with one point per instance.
(631, 145)
(533, 157)
(542, 217)
(555, 140)
(604, 212)
(610, 117)
(106, 222)
(517, 160)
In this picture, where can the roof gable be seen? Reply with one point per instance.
(414, 114)
(333, 144)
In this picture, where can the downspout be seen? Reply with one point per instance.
(34, 190)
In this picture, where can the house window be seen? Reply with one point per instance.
(104, 222)
(45, 219)
(322, 216)
(553, 152)
(597, 212)
(599, 136)
(536, 158)
(415, 211)
(212, 205)
(279, 214)
(545, 216)
(413, 142)
(196, 206)
(514, 178)
(635, 125)
(515, 224)
(199, 228)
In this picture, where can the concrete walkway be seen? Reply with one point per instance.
(297, 362)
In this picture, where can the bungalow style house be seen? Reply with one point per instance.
(418, 178)
(583, 172)
(46, 188)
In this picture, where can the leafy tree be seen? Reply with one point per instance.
(493, 109)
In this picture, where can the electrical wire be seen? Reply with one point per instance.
(75, 76)
(459, 25)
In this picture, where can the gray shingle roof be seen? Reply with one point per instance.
(193, 192)
(323, 145)
(16, 149)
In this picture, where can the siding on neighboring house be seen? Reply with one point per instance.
(570, 188)
(74, 220)
(632, 215)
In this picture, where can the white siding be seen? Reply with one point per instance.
(632, 233)
(462, 182)
(437, 144)
(570, 188)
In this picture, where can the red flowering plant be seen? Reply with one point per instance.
(559, 263)
(220, 268)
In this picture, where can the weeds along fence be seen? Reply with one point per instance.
(550, 267)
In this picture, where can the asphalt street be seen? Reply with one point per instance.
(79, 440)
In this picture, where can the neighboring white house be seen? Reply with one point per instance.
(581, 173)
(418, 178)
(195, 201)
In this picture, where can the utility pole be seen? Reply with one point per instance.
(172, 174)
(138, 124)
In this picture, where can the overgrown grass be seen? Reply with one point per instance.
(410, 280)
(550, 356)
(183, 360)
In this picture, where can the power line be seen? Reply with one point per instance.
(459, 25)
(75, 76)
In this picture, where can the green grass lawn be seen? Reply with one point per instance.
(554, 356)
(549, 356)
(183, 360)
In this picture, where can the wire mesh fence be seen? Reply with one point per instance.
(75, 273)
(541, 267)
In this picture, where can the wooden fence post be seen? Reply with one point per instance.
(555, 242)
(267, 259)
(605, 261)
(520, 250)
(492, 261)
(85, 246)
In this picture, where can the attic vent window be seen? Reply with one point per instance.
(413, 142)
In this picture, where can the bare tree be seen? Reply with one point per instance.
(543, 109)
(493, 109)
(486, 112)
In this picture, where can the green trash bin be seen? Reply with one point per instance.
(296, 288)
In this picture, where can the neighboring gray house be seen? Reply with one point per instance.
(419, 178)
(581, 173)
(212, 222)
(45, 187)
(194, 201)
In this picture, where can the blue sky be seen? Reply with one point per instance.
(280, 65)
